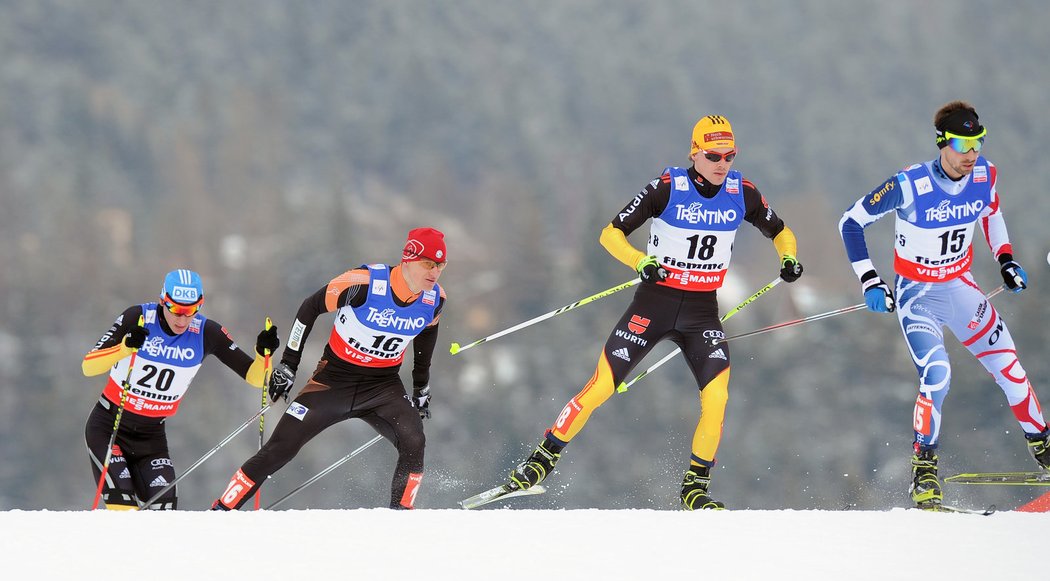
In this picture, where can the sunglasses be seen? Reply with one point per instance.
(717, 157)
(182, 310)
(961, 144)
(431, 265)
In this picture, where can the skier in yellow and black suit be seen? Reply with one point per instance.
(695, 214)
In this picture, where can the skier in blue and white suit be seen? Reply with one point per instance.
(938, 203)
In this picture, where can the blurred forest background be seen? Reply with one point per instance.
(272, 145)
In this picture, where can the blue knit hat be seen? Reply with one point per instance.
(183, 287)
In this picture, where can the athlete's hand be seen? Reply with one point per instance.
(281, 382)
(650, 270)
(421, 401)
(136, 337)
(790, 269)
(267, 341)
(1014, 276)
(877, 294)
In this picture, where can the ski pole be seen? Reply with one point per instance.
(265, 387)
(125, 387)
(812, 318)
(337, 464)
(456, 348)
(209, 454)
(623, 386)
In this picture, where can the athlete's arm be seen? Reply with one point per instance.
(761, 216)
(880, 201)
(110, 346)
(349, 288)
(423, 348)
(993, 223)
(650, 202)
(218, 342)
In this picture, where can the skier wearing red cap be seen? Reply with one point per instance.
(171, 344)
(379, 310)
(938, 205)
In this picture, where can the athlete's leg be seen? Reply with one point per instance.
(920, 311)
(118, 492)
(984, 333)
(395, 419)
(152, 472)
(641, 327)
(315, 408)
(710, 367)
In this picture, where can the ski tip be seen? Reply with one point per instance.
(454, 348)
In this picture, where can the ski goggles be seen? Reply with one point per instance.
(181, 310)
(961, 144)
(717, 157)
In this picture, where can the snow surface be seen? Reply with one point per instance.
(540, 545)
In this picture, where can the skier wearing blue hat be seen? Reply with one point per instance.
(169, 338)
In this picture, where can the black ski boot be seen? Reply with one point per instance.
(925, 486)
(1039, 446)
(538, 466)
(694, 490)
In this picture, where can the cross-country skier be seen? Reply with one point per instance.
(172, 343)
(379, 310)
(695, 214)
(937, 205)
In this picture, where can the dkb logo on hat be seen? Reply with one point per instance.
(182, 286)
(424, 244)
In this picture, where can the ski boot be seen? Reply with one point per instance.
(925, 486)
(538, 466)
(1039, 446)
(694, 490)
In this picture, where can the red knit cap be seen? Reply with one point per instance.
(424, 244)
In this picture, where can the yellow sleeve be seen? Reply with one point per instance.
(615, 242)
(785, 244)
(256, 376)
(100, 361)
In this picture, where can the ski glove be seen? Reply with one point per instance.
(267, 341)
(1014, 276)
(650, 270)
(790, 269)
(136, 337)
(421, 401)
(281, 382)
(877, 294)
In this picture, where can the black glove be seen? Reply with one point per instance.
(281, 382)
(1015, 278)
(421, 401)
(790, 269)
(267, 341)
(136, 337)
(650, 270)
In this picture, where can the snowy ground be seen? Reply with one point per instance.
(539, 545)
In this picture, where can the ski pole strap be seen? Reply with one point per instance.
(320, 474)
(623, 386)
(457, 348)
(207, 455)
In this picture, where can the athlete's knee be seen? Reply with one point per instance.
(936, 376)
(412, 443)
